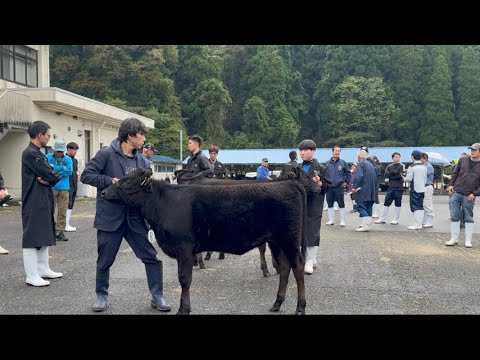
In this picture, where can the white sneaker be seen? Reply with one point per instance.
(427, 225)
(375, 216)
(70, 228)
(330, 223)
(394, 222)
(379, 221)
(342, 223)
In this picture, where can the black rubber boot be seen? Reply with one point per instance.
(221, 256)
(155, 285)
(101, 289)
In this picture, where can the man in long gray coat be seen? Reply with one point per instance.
(38, 177)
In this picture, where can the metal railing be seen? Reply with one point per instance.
(15, 107)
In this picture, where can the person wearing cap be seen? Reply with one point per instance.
(72, 149)
(463, 188)
(3, 196)
(262, 171)
(319, 174)
(394, 173)
(365, 189)
(63, 165)
(340, 177)
(428, 200)
(38, 222)
(114, 221)
(417, 177)
(148, 150)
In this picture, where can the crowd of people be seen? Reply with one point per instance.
(50, 182)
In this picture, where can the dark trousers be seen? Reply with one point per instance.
(336, 194)
(393, 195)
(108, 244)
(416, 201)
(314, 218)
(71, 199)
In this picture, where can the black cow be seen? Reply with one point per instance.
(204, 178)
(188, 219)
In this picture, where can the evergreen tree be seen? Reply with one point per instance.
(439, 127)
(469, 97)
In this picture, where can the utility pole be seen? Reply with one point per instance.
(181, 146)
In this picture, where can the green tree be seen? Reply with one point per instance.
(362, 106)
(438, 128)
(469, 97)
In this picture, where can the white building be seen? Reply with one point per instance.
(25, 96)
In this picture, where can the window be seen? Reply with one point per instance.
(88, 149)
(19, 64)
(163, 168)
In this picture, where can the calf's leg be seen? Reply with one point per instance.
(185, 267)
(284, 267)
(263, 262)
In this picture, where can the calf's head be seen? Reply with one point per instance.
(130, 188)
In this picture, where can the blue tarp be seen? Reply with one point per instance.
(280, 156)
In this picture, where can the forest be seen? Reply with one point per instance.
(273, 96)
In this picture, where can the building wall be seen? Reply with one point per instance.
(43, 69)
(11, 148)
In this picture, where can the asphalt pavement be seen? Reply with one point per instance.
(390, 270)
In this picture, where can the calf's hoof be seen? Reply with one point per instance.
(275, 308)
(266, 273)
(202, 266)
(207, 257)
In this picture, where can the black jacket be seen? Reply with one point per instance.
(74, 177)
(197, 163)
(37, 199)
(109, 163)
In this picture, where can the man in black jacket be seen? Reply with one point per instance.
(38, 222)
(72, 149)
(394, 173)
(115, 221)
(319, 174)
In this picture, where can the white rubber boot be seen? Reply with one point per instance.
(309, 261)
(418, 215)
(384, 216)
(342, 217)
(331, 216)
(366, 224)
(454, 233)
(428, 222)
(31, 268)
(375, 210)
(468, 234)
(43, 268)
(68, 227)
(398, 209)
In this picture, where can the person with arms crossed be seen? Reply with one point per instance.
(38, 222)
